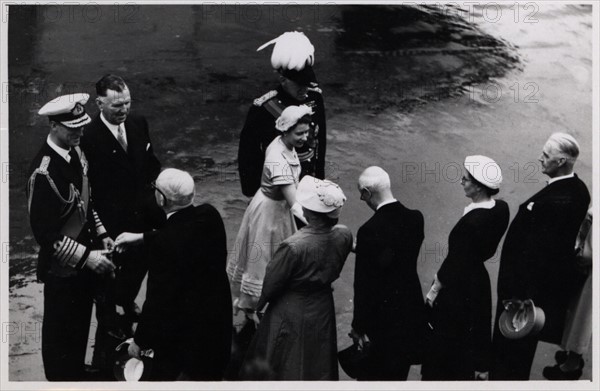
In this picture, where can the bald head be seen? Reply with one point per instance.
(374, 186)
(177, 186)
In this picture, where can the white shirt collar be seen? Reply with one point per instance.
(386, 202)
(480, 205)
(61, 151)
(558, 178)
(171, 214)
(114, 129)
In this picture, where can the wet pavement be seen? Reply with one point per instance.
(412, 89)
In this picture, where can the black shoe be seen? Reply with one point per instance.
(561, 356)
(555, 373)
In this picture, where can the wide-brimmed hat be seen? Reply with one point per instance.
(128, 368)
(320, 195)
(520, 319)
(485, 170)
(69, 110)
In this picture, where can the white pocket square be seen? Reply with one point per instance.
(147, 146)
(530, 206)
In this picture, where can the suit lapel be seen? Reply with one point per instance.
(108, 144)
(135, 146)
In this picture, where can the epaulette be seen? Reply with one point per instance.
(43, 168)
(269, 95)
(316, 89)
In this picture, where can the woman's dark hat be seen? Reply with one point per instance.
(521, 319)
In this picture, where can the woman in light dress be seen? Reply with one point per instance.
(269, 219)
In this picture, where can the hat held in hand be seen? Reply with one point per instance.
(520, 319)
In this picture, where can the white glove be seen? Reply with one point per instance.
(436, 286)
(297, 211)
(98, 262)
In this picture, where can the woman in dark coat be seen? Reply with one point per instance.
(186, 318)
(460, 297)
(296, 338)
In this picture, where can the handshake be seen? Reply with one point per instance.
(99, 261)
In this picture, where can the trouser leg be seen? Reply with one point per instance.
(65, 328)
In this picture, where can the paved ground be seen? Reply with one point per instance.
(414, 97)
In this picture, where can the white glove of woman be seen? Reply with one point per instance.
(297, 211)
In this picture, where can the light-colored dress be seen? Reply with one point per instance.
(266, 223)
(296, 338)
(578, 328)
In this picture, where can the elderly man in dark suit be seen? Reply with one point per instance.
(186, 318)
(388, 302)
(122, 168)
(537, 260)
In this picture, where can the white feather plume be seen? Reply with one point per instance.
(292, 50)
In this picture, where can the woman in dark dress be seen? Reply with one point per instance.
(296, 338)
(460, 298)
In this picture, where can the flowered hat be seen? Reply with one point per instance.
(320, 196)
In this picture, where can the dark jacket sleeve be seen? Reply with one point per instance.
(322, 137)
(250, 155)
(44, 213)
(152, 163)
(364, 292)
(278, 273)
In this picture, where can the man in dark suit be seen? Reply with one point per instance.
(70, 235)
(537, 260)
(297, 86)
(186, 318)
(122, 167)
(388, 302)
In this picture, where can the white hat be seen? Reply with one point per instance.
(290, 116)
(69, 110)
(292, 50)
(319, 195)
(484, 170)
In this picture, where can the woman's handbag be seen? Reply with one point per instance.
(355, 361)
(520, 319)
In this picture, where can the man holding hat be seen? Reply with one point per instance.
(293, 58)
(538, 260)
(187, 316)
(388, 303)
(67, 228)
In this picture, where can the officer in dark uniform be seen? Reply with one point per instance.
(67, 229)
(293, 57)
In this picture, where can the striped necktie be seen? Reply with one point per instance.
(121, 137)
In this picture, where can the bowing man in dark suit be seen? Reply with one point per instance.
(186, 318)
(122, 167)
(537, 260)
(388, 302)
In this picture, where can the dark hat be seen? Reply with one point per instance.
(69, 110)
(356, 362)
(305, 76)
(520, 319)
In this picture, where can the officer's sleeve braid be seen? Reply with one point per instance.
(68, 252)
